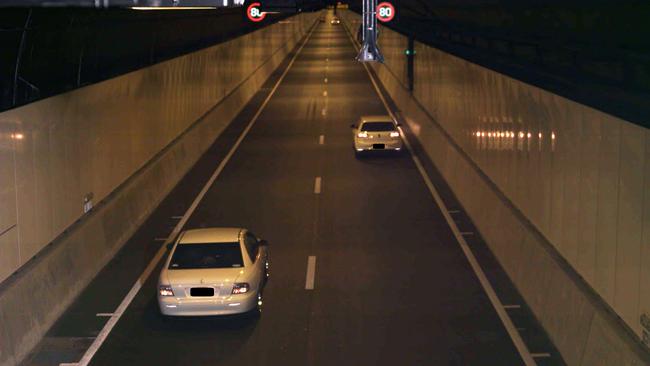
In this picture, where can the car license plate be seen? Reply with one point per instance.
(377, 146)
(202, 291)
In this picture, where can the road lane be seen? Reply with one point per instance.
(392, 285)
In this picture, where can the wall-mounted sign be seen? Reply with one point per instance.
(385, 12)
(254, 13)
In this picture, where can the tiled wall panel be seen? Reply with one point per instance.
(90, 140)
(576, 173)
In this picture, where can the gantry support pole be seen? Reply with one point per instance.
(369, 49)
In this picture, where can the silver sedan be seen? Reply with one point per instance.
(373, 133)
(216, 271)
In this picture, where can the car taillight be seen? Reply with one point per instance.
(394, 134)
(362, 134)
(166, 291)
(240, 288)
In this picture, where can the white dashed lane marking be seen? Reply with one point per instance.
(311, 272)
(317, 185)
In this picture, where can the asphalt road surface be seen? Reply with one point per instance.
(391, 286)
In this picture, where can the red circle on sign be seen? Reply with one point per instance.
(254, 13)
(385, 12)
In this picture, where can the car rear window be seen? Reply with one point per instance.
(378, 126)
(206, 255)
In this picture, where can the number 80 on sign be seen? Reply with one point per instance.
(385, 12)
(254, 13)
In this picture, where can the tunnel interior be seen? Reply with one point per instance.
(501, 219)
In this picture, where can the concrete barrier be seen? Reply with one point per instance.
(167, 130)
(497, 179)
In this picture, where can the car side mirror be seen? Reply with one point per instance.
(353, 126)
(170, 246)
(399, 125)
(264, 243)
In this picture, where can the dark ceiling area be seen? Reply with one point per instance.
(594, 52)
(47, 51)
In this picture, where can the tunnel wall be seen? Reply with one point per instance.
(127, 140)
(567, 214)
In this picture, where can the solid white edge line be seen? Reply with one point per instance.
(317, 185)
(478, 271)
(311, 272)
(108, 327)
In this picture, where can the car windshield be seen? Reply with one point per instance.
(378, 126)
(208, 255)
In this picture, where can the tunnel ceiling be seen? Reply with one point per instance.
(621, 23)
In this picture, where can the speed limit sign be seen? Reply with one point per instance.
(254, 13)
(385, 12)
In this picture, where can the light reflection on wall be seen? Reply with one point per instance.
(501, 140)
(10, 138)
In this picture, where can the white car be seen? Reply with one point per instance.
(376, 133)
(216, 271)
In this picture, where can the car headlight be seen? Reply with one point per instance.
(240, 288)
(165, 290)
(362, 134)
(394, 134)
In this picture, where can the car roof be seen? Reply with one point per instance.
(211, 235)
(378, 118)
